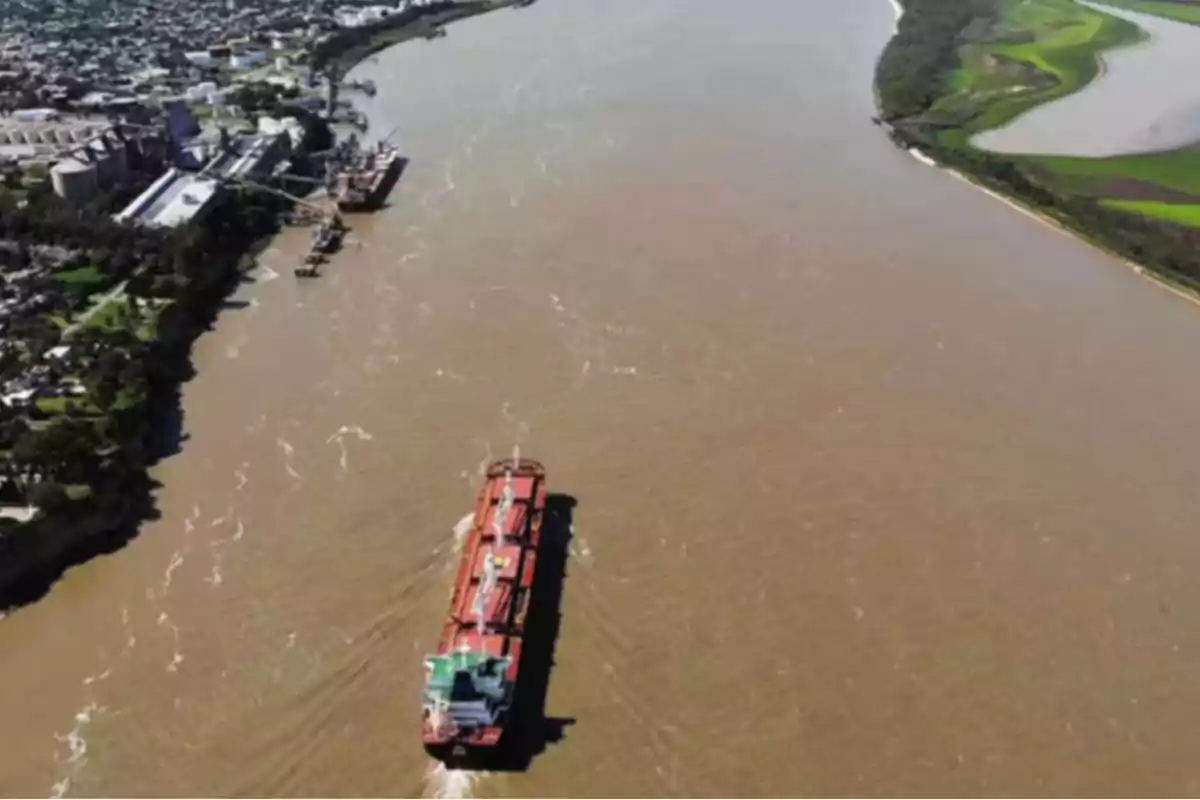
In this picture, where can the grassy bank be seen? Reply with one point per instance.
(986, 61)
(1035, 52)
(1179, 10)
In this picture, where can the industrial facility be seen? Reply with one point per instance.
(181, 196)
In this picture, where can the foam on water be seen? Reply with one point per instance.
(338, 436)
(343, 459)
(449, 784)
(451, 375)
(130, 639)
(177, 654)
(221, 520)
(174, 564)
(189, 524)
(461, 529)
(77, 743)
(90, 679)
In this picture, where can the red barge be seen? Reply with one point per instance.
(470, 680)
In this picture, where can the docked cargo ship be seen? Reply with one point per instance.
(471, 679)
(364, 185)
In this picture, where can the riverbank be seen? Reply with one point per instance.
(1144, 208)
(106, 502)
(79, 464)
(345, 49)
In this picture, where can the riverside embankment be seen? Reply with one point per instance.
(636, 240)
(1017, 57)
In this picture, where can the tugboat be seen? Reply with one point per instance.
(327, 236)
(471, 678)
(311, 266)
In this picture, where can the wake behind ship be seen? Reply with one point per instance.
(471, 679)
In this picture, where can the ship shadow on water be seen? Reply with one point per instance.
(530, 730)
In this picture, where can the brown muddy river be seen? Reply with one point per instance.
(882, 488)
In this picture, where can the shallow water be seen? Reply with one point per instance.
(881, 487)
(1143, 100)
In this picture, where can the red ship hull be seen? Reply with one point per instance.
(366, 191)
(500, 631)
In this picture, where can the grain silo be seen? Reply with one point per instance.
(73, 180)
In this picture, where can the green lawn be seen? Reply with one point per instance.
(78, 491)
(107, 315)
(58, 405)
(1181, 12)
(1179, 213)
(54, 406)
(1178, 170)
(82, 275)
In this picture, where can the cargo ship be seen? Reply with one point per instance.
(471, 679)
(363, 186)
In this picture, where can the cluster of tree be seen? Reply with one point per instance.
(911, 72)
(98, 445)
(183, 256)
(263, 98)
(100, 440)
(334, 50)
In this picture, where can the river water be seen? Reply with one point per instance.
(1138, 104)
(882, 488)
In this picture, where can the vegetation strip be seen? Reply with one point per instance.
(958, 67)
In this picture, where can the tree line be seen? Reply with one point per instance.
(910, 75)
(83, 463)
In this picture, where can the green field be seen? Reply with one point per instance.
(1038, 51)
(1182, 12)
(1042, 50)
(1177, 171)
(1179, 213)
